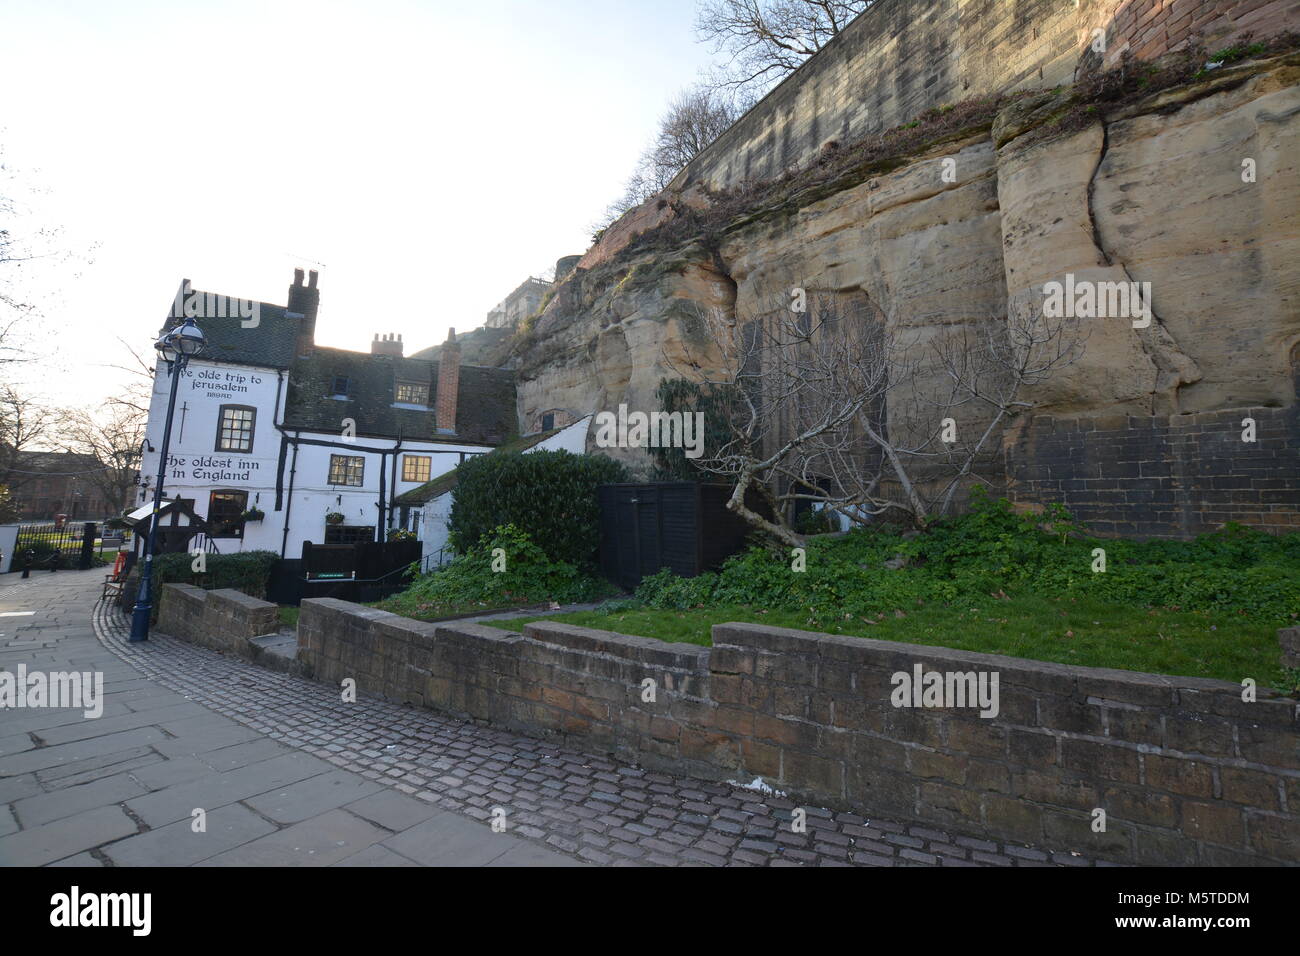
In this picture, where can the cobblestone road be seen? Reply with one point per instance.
(565, 804)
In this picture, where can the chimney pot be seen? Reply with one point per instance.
(311, 279)
(386, 344)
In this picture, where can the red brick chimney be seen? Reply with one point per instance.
(304, 300)
(448, 385)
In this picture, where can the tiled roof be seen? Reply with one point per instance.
(268, 345)
(485, 411)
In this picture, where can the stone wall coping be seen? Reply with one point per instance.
(239, 597)
(357, 610)
(188, 590)
(1103, 682)
(478, 632)
(781, 639)
(575, 637)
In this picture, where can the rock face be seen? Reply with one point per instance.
(1195, 191)
(612, 336)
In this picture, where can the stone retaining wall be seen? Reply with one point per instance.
(225, 620)
(1185, 771)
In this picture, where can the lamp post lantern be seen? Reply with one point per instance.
(176, 347)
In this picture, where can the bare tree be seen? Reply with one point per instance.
(766, 40)
(113, 438)
(137, 393)
(25, 425)
(693, 120)
(19, 253)
(832, 406)
(12, 309)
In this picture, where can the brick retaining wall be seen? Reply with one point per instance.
(1168, 476)
(1186, 772)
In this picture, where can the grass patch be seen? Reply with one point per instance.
(1064, 630)
(289, 616)
(412, 605)
(504, 571)
(1025, 585)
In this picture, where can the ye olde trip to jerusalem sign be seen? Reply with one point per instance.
(221, 383)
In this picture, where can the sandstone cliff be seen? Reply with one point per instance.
(1146, 189)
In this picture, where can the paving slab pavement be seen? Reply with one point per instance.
(123, 789)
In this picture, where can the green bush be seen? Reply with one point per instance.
(248, 571)
(665, 590)
(550, 496)
(520, 573)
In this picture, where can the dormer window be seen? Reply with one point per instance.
(410, 393)
(341, 385)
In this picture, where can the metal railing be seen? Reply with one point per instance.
(44, 538)
(201, 542)
(436, 559)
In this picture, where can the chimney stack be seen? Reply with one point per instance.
(390, 344)
(448, 385)
(304, 300)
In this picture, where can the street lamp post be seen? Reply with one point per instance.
(177, 347)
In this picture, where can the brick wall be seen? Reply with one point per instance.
(1186, 772)
(1165, 476)
(224, 620)
(902, 57)
(1150, 28)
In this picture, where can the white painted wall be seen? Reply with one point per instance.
(195, 470)
(8, 542)
(433, 525)
(572, 438)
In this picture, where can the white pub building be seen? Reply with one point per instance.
(277, 441)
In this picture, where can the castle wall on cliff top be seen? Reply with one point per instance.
(902, 57)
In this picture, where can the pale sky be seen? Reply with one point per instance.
(425, 155)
